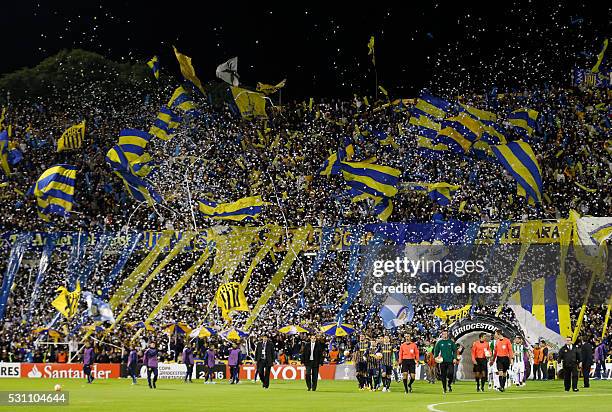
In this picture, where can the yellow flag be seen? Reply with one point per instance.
(229, 297)
(251, 104)
(72, 138)
(66, 302)
(187, 69)
(270, 89)
(600, 57)
(371, 50)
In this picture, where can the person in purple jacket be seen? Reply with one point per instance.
(188, 361)
(89, 357)
(150, 360)
(233, 361)
(210, 360)
(132, 365)
(600, 359)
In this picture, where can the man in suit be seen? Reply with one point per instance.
(569, 356)
(312, 357)
(586, 356)
(264, 356)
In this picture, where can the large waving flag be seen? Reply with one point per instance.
(458, 133)
(165, 124)
(523, 122)
(333, 164)
(72, 138)
(546, 300)
(396, 311)
(520, 161)
(182, 100)
(229, 297)
(426, 130)
(431, 106)
(250, 104)
(67, 303)
(133, 143)
(187, 69)
(247, 209)
(139, 189)
(479, 114)
(377, 180)
(54, 191)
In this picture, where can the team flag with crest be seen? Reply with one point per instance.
(230, 297)
(72, 138)
(67, 303)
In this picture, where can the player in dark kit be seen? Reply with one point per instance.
(361, 361)
(89, 357)
(386, 348)
(373, 361)
(149, 358)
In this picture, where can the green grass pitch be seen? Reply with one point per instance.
(172, 395)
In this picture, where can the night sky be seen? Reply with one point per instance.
(447, 47)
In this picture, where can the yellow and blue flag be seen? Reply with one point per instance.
(133, 143)
(54, 191)
(72, 138)
(520, 161)
(458, 133)
(441, 193)
(166, 124)
(181, 100)
(333, 165)
(377, 180)
(154, 65)
(478, 114)
(523, 122)
(547, 300)
(432, 106)
(383, 206)
(4, 152)
(187, 69)
(245, 209)
(139, 189)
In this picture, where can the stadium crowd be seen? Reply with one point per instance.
(219, 156)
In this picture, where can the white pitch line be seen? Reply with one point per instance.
(432, 406)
